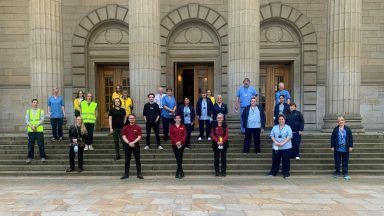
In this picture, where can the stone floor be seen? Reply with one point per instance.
(314, 195)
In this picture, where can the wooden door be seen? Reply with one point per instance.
(109, 77)
(270, 76)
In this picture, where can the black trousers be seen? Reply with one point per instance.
(90, 128)
(179, 157)
(148, 127)
(341, 157)
(57, 127)
(32, 138)
(166, 123)
(116, 138)
(285, 157)
(207, 128)
(219, 154)
(188, 128)
(296, 140)
(72, 156)
(136, 154)
(249, 133)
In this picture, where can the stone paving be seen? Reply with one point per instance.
(314, 195)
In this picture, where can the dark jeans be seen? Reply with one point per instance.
(39, 137)
(296, 139)
(341, 157)
(136, 154)
(116, 137)
(277, 156)
(188, 128)
(207, 128)
(57, 127)
(166, 123)
(220, 153)
(249, 132)
(72, 156)
(90, 128)
(179, 157)
(148, 127)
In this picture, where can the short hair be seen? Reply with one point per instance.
(34, 99)
(125, 91)
(246, 80)
(168, 89)
(220, 114)
(208, 90)
(282, 96)
(151, 94)
(177, 115)
(293, 104)
(187, 97)
(132, 115)
(282, 115)
(340, 117)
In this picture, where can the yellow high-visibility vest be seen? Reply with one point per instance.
(127, 104)
(35, 120)
(88, 112)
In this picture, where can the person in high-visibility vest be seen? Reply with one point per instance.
(89, 115)
(127, 103)
(34, 119)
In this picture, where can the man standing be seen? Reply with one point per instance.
(117, 93)
(56, 112)
(151, 113)
(34, 120)
(89, 115)
(282, 91)
(131, 136)
(296, 121)
(168, 112)
(127, 103)
(159, 97)
(243, 98)
(117, 120)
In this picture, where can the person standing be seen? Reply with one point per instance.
(178, 135)
(151, 113)
(116, 120)
(210, 96)
(168, 112)
(77, 135)
(131, 136)
(77, 102)
(281, 135)
(127, 103)
(253, 119)
(89, 116)
(34, 119)
(219, 107)
(56, 111)
(204, 112)
(159, 97)
(220, 145)
(341, 146)
(187, 114)
(280, 108)
(282, 91)
(243, 98)
(117, 93)
(296, 121)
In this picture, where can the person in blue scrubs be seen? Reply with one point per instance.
(243, 99)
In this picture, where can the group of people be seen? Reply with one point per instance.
(178, 123)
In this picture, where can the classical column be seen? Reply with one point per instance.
(144, 49)
(343, 64)
(244, 43)
(46, 48)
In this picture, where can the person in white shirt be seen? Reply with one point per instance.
(159, 97)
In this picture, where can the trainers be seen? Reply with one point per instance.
(90, 147)
(199, 139)
(160, 147)
(28, 161)
(347, 177)
(187, 148)
(69, 170)
(297, 158)
(61, 139)
(336, 174)
(124, 177)
(53, 139)
(209, 139)
(43, 160)
(86, 148)
(286, 175)
(146, 147)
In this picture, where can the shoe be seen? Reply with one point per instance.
(336, 174)
(117, 157)
(86, 148)
(139, 176)
(245, 153)
(187, 148)
(124, 177)
(43, 160)
(28, 161)
(61, 139)
(223, 173)
(90, 147)
(69, 170)
(181, 174)
(160, 147)
(209, 139)
(177, 174)
(270, 174)
(53, 139)
(199, 139)
(217, 173)
(146, 147)
(286, 175)
(297, 158)
(79, 170)
(165, 139)
(347, 177)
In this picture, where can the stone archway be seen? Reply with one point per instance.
(277, 19)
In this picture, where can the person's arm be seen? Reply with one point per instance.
(49, 107)
(262, 117)
(27, 119)
(213, 136)
(237, 99)
(225, 138)
(110, 124)
(144, 112)
(172, 134)
(184, 136)
(288, 138)
(350, 140)
(158, 112)
(301, 123)
(288, 98)
(62, 107)
(165, 105)
(125, 115)
(333, 136)
(41, 118)
(125, 139)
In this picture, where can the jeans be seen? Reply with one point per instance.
(148, 127)
(220, 153)
(277, 156)
(136, 154)
(39, 137)
(72, 156)
(341, 157)
(207, 128)
(90, 128)
(296, 139)
(249, 132)
(116, 138)
(57, 127)
(188, 128)
(179, 157)
(166, 123)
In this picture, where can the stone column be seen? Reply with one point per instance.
(46, 48)
(144, 49)
(343, 64)
(244, 44)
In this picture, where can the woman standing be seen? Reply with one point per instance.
(204, 108)
(220, 144)
(77, 102)
(187, 114)
(219, 107)
(77, 136)
(209, 95)
(281, 135)
(178, 135)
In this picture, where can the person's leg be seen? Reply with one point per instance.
(275, 162)
(345, 160)
(54, 128)
(242, 129)
(256, 139)
(337, 157)
(298, 145)
(156, 130)
(148, 127)
(286, 162)
(87, 126)
(216, 155)
(166, 129)
(247, 140)
(31, 144)
(90, 132)
(136, 154)
(116, 139)
(188, 139)
(40, 143)
(128, 152)
(80, 158)
(60, 128)
(223, 162)
(294, 145)
(71, 158)
(177, 157)
(181, 153)
(201, 129)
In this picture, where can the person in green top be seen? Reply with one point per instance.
(34, 119)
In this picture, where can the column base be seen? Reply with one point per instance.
(352, 121)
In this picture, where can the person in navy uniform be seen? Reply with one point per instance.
(204, 109)
(219, 107)
(281, 108)
(296, 121)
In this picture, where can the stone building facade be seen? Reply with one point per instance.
(330, 53)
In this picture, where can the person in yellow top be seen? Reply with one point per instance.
(77, 102)
(117, 93)
(127, 103)
(209, 95)
(89, 115)
(34, 119)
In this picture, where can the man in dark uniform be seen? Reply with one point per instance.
(296, 121)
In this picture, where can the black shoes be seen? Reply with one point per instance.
(117, 157)
(124, 177)
(223, 173)
(179, 174)
(69, 170)
(79, 170)
(286, 175)
(139, 176)
(217, 173)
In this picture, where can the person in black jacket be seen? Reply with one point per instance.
(151, 113)
(187, 114)
(281, 108)
(296, 121)
(219, 107)
(341, 145)
(204, 108)
(77, 136)
(253, 119)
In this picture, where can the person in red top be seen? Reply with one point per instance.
(178, 135)
(219, 135)
(132, 135)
